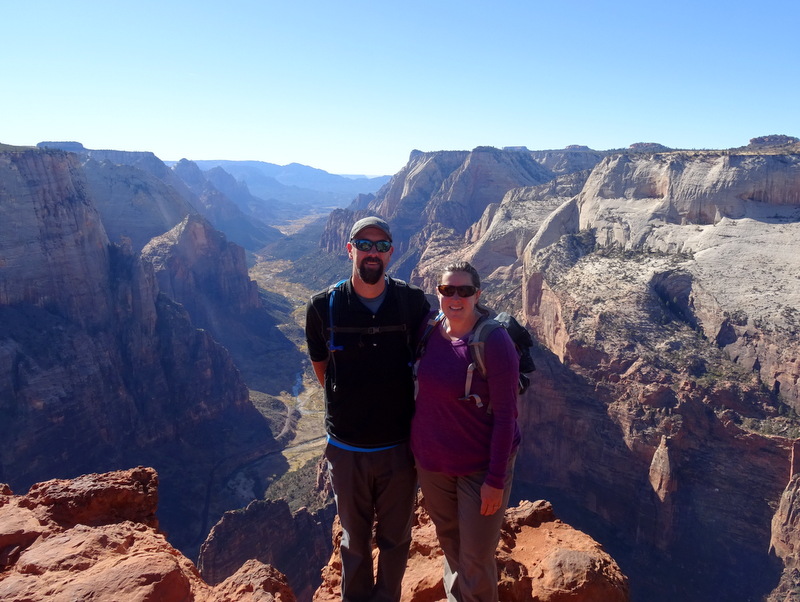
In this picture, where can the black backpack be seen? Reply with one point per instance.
(519, 335)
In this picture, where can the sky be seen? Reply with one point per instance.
(352, 87)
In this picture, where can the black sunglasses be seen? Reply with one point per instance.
(448, 290)
(362, 244)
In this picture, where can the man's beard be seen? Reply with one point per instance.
(371, 273)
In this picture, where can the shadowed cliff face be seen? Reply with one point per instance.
(196, 266)
(54, 249)
(101, 370)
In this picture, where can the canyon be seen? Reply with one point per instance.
(662, 291)
(661, 287)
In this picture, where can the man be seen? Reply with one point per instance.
(361, 338)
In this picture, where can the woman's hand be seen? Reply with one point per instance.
(491, 499)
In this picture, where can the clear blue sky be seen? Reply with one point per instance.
(353, 86)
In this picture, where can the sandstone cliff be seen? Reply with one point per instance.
(785, 535)
(98, 368)
(662, 289)
(97, 538)
(134, 203)
(446, 190)
(195, 265)
(228, 216)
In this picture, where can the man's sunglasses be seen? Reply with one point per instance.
(365, 245)
(448, 290)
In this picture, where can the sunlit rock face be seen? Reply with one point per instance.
(96, 537)
(665, 290)
(662, 288)
(445, 190)
(538, 558)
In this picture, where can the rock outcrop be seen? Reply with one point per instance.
(297, 544)
(96, 537)
(538, 558)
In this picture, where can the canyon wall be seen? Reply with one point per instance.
(99, 368)
(662, 289)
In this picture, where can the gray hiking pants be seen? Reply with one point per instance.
(468, 539)
(377, 486)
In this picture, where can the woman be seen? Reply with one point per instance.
(465, 446)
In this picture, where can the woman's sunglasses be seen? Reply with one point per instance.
(448, 290)
(365, 245)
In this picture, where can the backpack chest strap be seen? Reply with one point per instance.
(368, 329)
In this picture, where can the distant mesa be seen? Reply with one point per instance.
(774, 140)
(71, 147)
(648, 147)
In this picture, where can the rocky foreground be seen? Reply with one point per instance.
(97, 538)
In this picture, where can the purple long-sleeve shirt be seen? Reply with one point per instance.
(457, 437)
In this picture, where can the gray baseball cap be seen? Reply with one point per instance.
(372, 221)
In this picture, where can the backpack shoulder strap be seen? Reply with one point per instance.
(433, 321)
(335, 290)
(477, 342)
(422, 344)
(331, 313)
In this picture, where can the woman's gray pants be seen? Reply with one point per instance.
(468, 539)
